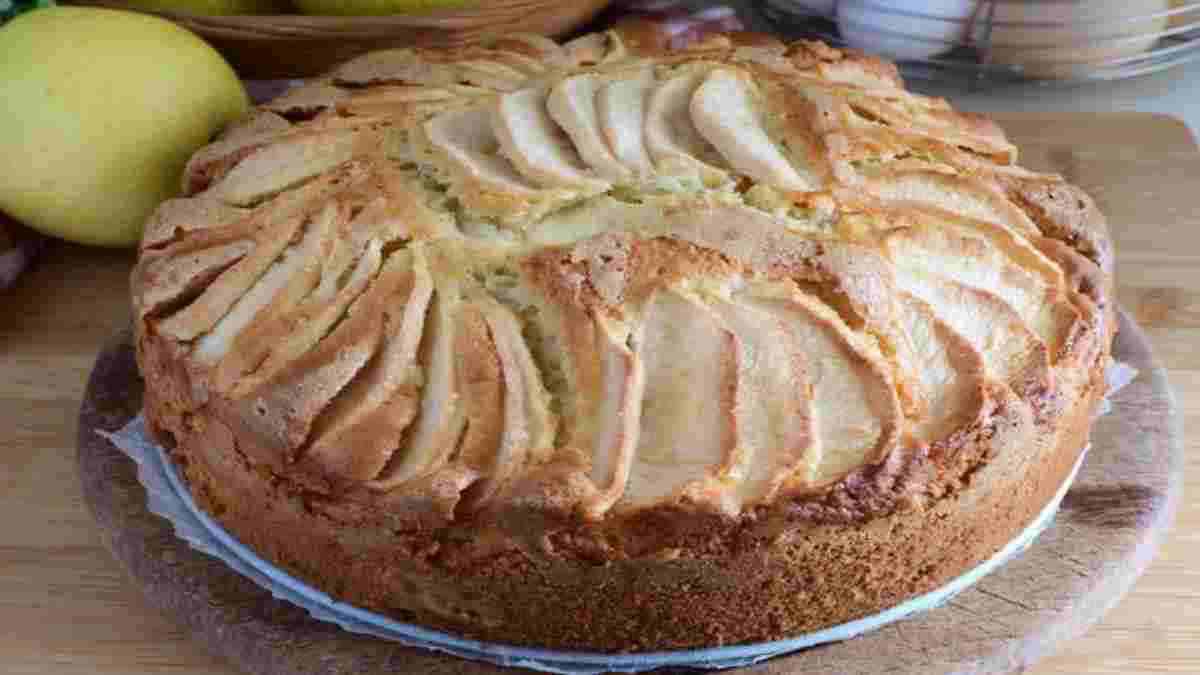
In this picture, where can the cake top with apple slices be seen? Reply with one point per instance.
(600, 279)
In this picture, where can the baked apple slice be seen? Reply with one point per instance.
(360, 430)
(687, 418)
(572, 104)
(672, 140)
(855, 410)
(536, 146)
(621, 114)
(725, 113)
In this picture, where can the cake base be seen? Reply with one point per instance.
(1108, 528)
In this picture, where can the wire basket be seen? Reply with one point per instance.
(986, 42)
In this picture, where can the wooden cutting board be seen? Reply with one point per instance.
(1142, 169)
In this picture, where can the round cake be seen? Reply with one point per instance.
(605, 346)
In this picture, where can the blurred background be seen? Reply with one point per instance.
(984, 55)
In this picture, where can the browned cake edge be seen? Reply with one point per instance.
(781, 586)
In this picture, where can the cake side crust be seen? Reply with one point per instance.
(772, 586)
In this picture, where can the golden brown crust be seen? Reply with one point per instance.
(1065, 213)
(440, 338)
(718, 585)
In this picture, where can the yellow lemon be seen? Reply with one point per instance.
(102, 109)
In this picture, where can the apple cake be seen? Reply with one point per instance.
(611, 347)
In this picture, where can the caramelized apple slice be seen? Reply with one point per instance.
(536, 146)
(855, 410)
(357, 434)
(724, 112)
(572, 104)
(687, 419)
(761, 241)
(214, 160)
(175, 218)
(392, 66)
(283, 285)
(528, 423)
(284, 409)
(621, 115)
(946, 370)
(753, 237)
(1016, 247)
(282, 165)
(1011, 352)
(440, 422)
(479, 382)
(961, 195)
(671, 137)
(398, 101)
(508, 418)
(970, 261)
(295, 333)
(773, 410)
(975, 262)
(273, 226)
(167, 278)
(608, 382)
(201, 315)
(468, 141)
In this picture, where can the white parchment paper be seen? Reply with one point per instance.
(169, 498)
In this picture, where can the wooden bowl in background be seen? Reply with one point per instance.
(297, 45)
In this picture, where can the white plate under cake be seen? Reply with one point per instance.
(598, 346)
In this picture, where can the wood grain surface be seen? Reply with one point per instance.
(66, 607)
